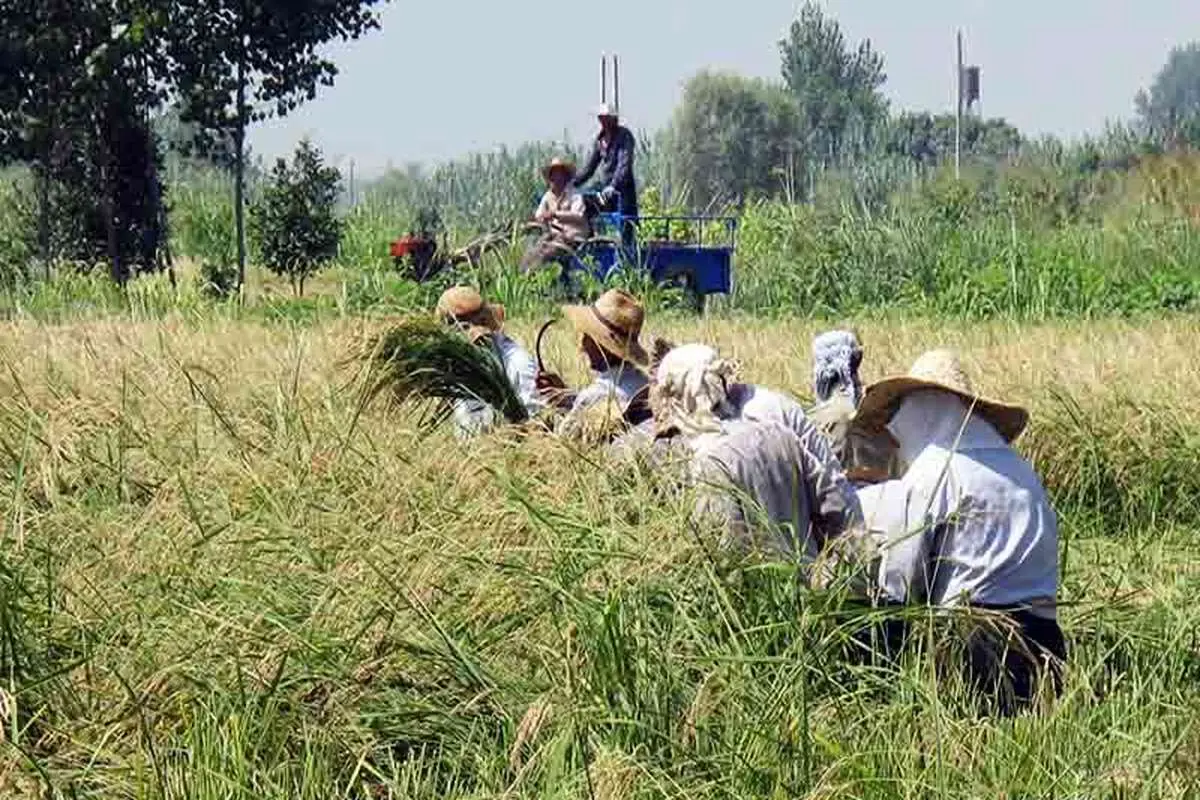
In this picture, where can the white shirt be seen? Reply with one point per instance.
(570, 202)
(473, 416)
(758, 404)
(969, 521)
(618, 384)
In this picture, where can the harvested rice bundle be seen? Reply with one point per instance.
(421, 361)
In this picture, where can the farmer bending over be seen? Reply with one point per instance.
(609, 332)
(968, 524)
(562, 214)
(768, 487)
(464, 308)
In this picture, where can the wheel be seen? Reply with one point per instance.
(685, 282)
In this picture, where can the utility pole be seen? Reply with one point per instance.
(958, 113)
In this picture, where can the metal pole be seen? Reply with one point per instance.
(603, 77)
(616, 85)
(958, 95)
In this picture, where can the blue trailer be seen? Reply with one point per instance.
(675, 250)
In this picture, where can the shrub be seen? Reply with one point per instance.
(295, 220)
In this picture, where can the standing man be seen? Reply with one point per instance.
(613, 150)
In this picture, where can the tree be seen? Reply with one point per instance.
(1169, 111)
(75, 82)
(238, 61)
(837, 88)
(295, 220)
(732, 137)
(928, 139)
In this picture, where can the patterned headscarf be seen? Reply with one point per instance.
(690, 390)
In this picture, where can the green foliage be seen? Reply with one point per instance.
(733, 138)
(425, 362)
(295, 223)
(928, 139)
(837, 88)
(1169, 110)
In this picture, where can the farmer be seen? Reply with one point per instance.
(464, 308)
(746, 401)
(968, 524)
(767, 487)
(868, 458)
(613, 150)
(609, 332)
(562, 216)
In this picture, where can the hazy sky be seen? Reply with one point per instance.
(444, 77)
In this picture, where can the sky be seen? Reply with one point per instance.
(446, 77)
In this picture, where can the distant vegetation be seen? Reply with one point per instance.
(846, 205)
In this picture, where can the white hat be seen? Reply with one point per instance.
(606, 110)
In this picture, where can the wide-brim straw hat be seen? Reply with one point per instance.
(465, 307)
(614, 322)
(559, 163)
(940, 370)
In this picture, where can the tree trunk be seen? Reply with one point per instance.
(108, 189)
(42, 176)
(239, 174)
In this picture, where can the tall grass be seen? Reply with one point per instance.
(219, 580)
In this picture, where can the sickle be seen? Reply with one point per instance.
(537, 344)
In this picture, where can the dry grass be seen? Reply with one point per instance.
(219, 582)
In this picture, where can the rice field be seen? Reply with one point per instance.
(219, 580)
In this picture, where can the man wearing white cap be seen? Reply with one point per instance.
(613, 153)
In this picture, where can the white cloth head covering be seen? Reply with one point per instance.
(928, 417)
(690, 390)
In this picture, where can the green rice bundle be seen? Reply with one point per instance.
(421, 361)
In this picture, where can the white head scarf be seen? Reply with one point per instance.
(690, 390)
(929, 417)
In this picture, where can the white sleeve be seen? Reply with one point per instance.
(522, 374)
(906, 517)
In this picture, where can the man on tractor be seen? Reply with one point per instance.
(613, 152)
(562, 216)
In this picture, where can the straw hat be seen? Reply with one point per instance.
(941, 370)
(614, 322)
(466, 308)
(559, 163)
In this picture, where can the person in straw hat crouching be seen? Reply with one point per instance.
(464, 308)
(771, 488)
(562, 214)
(609, 338)
(967, 524)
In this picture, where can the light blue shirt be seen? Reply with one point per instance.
(473, 417)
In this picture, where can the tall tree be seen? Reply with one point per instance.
(75, 80)
(732, 137)
(836, 87)
(1169, 111)
(237, 61)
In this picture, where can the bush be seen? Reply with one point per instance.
(295, 220)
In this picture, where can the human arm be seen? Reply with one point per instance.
(589, 169)
(522, 374)
(543, 213)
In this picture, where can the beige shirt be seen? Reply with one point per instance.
(771, 492)
(571, 202)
